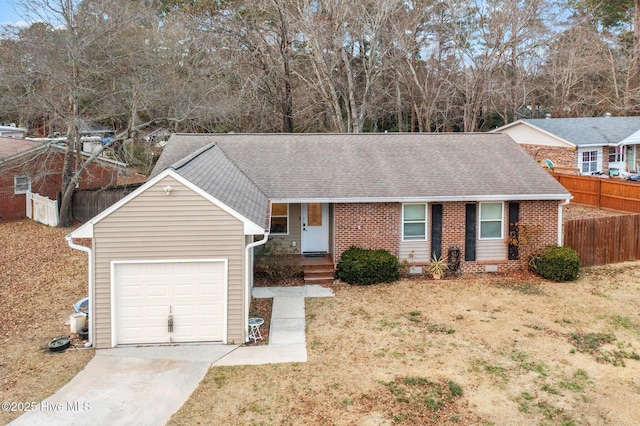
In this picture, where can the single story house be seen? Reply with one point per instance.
(32, 166)
(181, 245)
(587, 146)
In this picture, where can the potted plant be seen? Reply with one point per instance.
(437, 267)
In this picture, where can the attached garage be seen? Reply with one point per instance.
(171, 263)
(169, 301)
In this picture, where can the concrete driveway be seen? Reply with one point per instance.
(145, 385)
(141, 386)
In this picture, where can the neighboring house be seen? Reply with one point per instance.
(13, 132)
(27, 165)
(181, 245)
(596, 145)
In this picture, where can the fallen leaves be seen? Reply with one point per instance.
(41, 278)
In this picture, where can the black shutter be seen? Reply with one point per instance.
(514, 231)
(470, 233)
(436, 230)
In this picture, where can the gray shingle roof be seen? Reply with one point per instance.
(367, 166)
(211, 170)
(589, 130)
(12, 147)
(177, 148)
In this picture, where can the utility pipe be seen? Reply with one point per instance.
(560, 223)
(90, 285)
(247, 280)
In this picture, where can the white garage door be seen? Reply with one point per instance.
(147, 293)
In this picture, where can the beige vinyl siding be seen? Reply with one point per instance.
(419, 249)
(491, 250)
(524, 134)
(182, 225)
(286, 241)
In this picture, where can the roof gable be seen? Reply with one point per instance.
(376, 166)
(526, 133)
(86, 230)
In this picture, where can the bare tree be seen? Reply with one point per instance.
(256, 38)
(423, 32)
(72, 59)
(586, 71)
(346, 47)
(493, 39)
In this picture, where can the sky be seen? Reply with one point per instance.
(8, 14)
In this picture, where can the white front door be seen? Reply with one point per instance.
(147, 294)
(315, 227)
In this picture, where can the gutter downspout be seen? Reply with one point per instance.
(90, 284)
(560, 222)
(247, 280)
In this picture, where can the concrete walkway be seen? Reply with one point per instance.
(146, 385)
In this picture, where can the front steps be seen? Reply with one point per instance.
(318, 270)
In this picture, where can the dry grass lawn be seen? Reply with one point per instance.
(500, 350)
(477, 350)
(40, 279)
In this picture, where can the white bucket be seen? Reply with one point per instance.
(78, 322)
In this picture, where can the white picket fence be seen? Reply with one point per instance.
(42, 209)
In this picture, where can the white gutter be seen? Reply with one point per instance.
(596, 145)
(427, 199)
(90, 285)
(560, 224)
(247, 281)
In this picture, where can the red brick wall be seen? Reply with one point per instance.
(45, 171)
(565, 160)
(366, 225)
(538, 219)
(12, 206)
(538, 228)
(377, 225)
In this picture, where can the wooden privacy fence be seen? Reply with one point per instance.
(42, 209)
(614, 194)
(91, 202)
(604, 240)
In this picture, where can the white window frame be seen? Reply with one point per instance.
(426, 222)
(481, 221)
(591, 163)
(617, 156)
(16, 184)
(286, 232)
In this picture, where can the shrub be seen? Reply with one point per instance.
(276, 263)
(556, 263)
(366, 266)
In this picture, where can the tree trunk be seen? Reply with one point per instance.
(66, 213)
(636, 45)
(287, 93)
